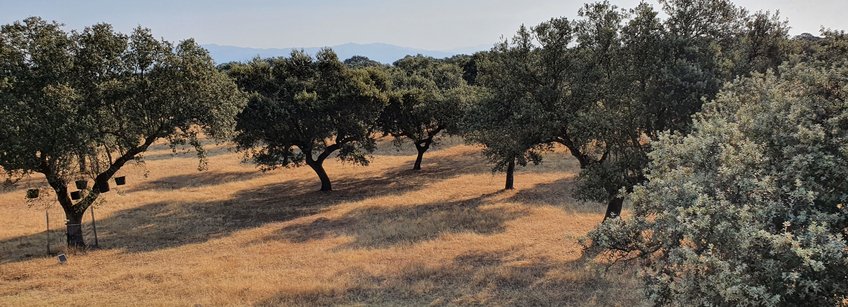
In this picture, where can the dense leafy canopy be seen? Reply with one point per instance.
(604, 85)
(429, 96)
(358, 61)
(748, 209)
(83, 104)
(302, 110)
(743, 203)
(525, 78)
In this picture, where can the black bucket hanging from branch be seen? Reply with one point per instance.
(32, 193)
(81, 184)
(121, 180)
(76, 195)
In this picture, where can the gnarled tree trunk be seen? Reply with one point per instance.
(422, 147)
(318, 167)
(614, 208)
(74, 212)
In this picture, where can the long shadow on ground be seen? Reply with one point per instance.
(379, 227)
(558, 193)
(479, 278)
(164, 225)
(198, 179)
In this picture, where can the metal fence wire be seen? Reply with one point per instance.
(56, 235)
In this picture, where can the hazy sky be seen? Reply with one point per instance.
(427, 24)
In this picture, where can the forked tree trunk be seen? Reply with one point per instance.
(75, 212)
(422, 148)
(614, 208)
(510, 175)
(318, 167)
(83, 167)
(73, 215)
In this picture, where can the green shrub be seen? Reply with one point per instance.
(750, 207)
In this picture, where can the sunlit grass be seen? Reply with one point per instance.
(389, 236)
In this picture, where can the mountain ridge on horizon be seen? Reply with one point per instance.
(380, 52)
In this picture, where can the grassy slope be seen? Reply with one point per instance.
(235, 236)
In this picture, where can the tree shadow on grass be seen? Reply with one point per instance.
(403, 179)
(168, 224)
(559, 193)
(378, 227)
(193, 180)
(440, 167)
(480, 278)
(386, 146)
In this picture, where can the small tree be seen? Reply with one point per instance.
(750, 208)
(509, 119)
(303, 110)
(429, 96)
(83, 104)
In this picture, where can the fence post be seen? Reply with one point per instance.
(94, 227)
(47, 216)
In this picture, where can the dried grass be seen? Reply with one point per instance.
(387, 236)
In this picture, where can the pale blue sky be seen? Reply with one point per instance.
(431, 24)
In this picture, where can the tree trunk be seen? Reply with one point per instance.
(573, 149)
(614, 208)
(73, 216)
(83, 167)
(510, 173)
(73, 212)
(318, 167)
(417, 165)
(422, 148)
(74, 228)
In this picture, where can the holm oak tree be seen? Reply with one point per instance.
(749, 207)
(302, 110)
(83, 104)
(429, 96)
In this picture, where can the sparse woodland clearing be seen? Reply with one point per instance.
(725, 138)
(387, 235)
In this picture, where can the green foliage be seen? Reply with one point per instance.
(831, 47)
(429, 96)
(86, 95)
(468, 63)
(85, 103)
(358, 61)
(764, 45)
(604, 85)
(748, 209)
(511, 118)
(301, 110)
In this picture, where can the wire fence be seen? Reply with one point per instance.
(53, 235)
(56, 231)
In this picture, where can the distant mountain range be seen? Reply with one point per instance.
(384, 53)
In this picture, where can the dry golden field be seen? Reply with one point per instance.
(233, 235)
